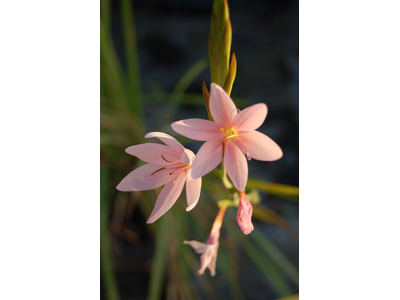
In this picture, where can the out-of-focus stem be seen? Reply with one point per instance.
(224, 177)
(214, 235)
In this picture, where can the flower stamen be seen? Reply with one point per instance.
(167, 160)
(178, 170)
(158, 171)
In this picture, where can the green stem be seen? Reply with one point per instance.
(224, 178)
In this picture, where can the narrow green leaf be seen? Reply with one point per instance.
(115, 77)
(231, 75)
(213, 58)
(159, 260)
(135, 95)
(289, 192)
(187, 79)
(292, 297)
(206, 96)
(225, 51)
(269, 216)
(265, 265)
(275, 255)
(107, 269)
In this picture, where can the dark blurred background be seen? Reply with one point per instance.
(171, 38)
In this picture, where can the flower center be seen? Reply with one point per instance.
(229, 133)
(181, 166)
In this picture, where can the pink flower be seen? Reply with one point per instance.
(233, 131)
(209, 250)
(243, 216)
(167, 165)
(208, 258)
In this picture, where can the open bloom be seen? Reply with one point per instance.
(208, 258)
(209, 250)
(230, 137)
(244, 212)
(167, 165)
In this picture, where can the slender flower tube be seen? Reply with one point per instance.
(232, 136)
(244, 212)
(209, 250)
(167, 165)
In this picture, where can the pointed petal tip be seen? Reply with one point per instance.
(151, 220)
(189, 208)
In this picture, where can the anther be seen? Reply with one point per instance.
(165, 159)
(157, 171)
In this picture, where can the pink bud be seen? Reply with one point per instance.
(243, 216)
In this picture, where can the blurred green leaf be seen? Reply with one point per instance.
(285, 191)
(267, 215)
(189, 99)
(265, 265)
(159, 260)
(133, 73)
(112, 70)
(107, 269)
(292, 297)
(275, 255)
(186, 80)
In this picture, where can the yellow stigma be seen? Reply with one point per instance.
(230, 132)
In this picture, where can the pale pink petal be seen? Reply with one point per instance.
(208, 259)
(168, 196)
(236, 165)
(222, 108)
(250, 118)
(259, 146)
(151, 152)
(198, 129)
(207, 158)
(243, 216)
(193, 188)
(141, 179)
(167, 139)
(187, 157)
(197, 246)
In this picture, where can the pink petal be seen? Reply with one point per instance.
(193, 188)
(187, 157)
(167, 139)
(222, 108)
(250, 118)
(142, 180)
(208, 259)
(198, 129)
(243, 216)
(207, 158)
(236, 165)
(259, 146)
(151, 153)
(168, 196)
(197, 246)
